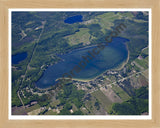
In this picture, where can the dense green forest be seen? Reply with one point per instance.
(68, 96)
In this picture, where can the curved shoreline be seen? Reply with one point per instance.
(125, 62)
(117, 68)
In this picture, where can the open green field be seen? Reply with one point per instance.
(128, 15)
(106, 19)
(120, 92)
(34, 107)
(142, 63)
(90, 105)
(106, 103)
(82, 36)
(50, 112)
(55, 103)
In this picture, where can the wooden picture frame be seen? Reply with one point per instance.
(5, 122)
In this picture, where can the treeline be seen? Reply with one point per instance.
(136, 105)
(99, 36)
(14, 99)
(137, 33)
(141, 16)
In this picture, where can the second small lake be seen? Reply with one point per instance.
(19, 57)
(73, 19)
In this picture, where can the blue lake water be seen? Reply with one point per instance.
(110, 57)
(19, 57)
(73, 19)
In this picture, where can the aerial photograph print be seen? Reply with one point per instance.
(86, 63)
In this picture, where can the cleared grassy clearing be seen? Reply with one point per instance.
(82, 36)
(146, 59)
(89, 104)
(30, 22)
(106, 20)
(112, 96)
(34, 107)
(126, 14)
(35, 112)
(106, 103)
(55, 103)
(142, 63)
(120, 92)
(50, 112)
(139, 21)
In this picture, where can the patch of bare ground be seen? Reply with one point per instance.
(143, 81)
(37, 111)
(104, 100)
(138, 81)
(111, 94)
(145, 74)
(134, 82)
(90, 108)
(18, 110)
(145, 113)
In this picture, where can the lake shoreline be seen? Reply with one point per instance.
(117, 68)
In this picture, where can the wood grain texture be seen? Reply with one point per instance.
(6, 4)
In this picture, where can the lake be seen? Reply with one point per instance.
(110, 57)
(19, 57)
(73, 19)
